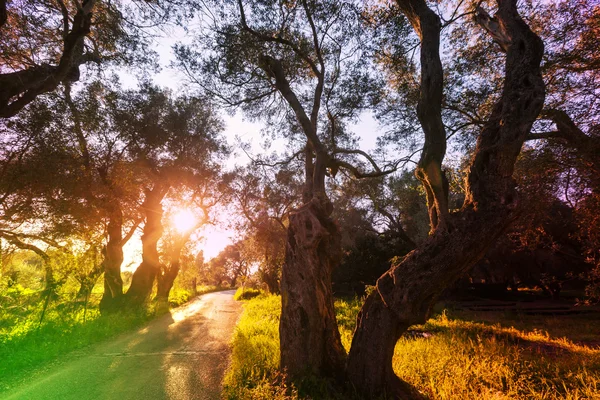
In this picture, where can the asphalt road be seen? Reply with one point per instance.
(179, 356)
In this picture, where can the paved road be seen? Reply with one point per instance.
(180, 356)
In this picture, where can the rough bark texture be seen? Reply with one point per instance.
(310, 340)
(309, 337)
(143, 278)
(427, 25)
(406, 293)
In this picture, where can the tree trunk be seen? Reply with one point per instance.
(88, 282)
(269, 275)
(113, 258)
(407, 292)
(143, 278)
(165, 279)
(164, 282)
(309, 337)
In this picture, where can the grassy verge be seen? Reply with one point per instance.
(246, 293)
(25, 344)
(460, 358)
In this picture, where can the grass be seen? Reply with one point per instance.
(504, 357)
(245, 293)
(255, 353)
(25, 344)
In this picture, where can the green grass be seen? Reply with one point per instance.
(25, 344)
(255, 353)
(245, 293)
(463, 359)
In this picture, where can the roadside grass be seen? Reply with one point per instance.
(25, 344)
(462, 358)
(245, 293)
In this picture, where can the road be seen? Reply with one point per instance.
(179, 356)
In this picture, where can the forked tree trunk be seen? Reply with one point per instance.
(407, 292)
(143, 278)
(168, 273)
(309, 337)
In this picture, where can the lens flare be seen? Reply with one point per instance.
(184, 220)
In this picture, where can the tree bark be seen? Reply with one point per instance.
(427, 25)
(309, 337)
(407, 292)
(17, 89)
(310, 340)
(113, 258)
(165, 279)
(143, 278)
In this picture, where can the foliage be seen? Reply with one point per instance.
(69, 323)
(246, 293)
(67, 326)
(461, 359)
(255, 353)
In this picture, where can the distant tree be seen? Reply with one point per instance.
(206, 192)
(97, 162)
(230, 264)
(265, 199)
(178, 146)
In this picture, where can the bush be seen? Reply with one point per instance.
(246, 294)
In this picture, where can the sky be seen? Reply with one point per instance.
(215, 237)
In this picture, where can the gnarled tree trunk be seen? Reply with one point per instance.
(168, 273)
(113, 258)
(406, 293)
(310, 340)
(143, 278)
(309, 337)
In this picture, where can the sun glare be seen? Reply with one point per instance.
(184, 220)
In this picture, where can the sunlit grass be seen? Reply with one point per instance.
(462, 359)
(26, 344)
(255, 353)
(245, 293)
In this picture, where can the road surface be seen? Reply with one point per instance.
(179, 356)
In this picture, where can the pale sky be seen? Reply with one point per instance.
(215, 238)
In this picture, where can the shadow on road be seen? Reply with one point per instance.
(181, 355)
